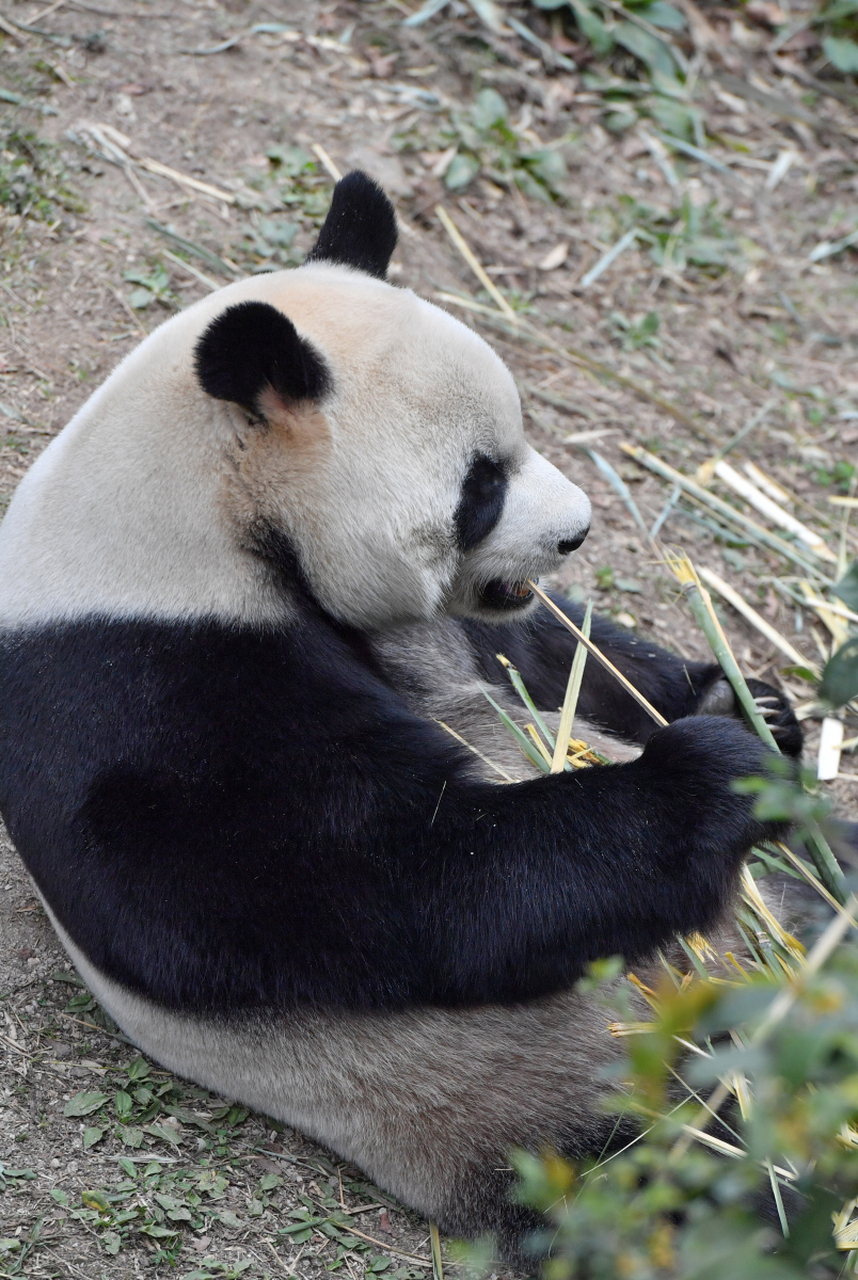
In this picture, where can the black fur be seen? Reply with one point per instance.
(360, 229)
(542, 649)
(481, 503)
(251, 346)
(224, 817)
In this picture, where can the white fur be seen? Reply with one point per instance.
(148, 502)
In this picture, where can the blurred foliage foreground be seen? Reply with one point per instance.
(746, 1091)
(744, 1083)
(669, 1205)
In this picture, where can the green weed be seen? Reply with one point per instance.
(154, 287)
(33, 178)
(487, 142)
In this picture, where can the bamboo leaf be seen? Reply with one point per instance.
(570, 701)
(521, 738)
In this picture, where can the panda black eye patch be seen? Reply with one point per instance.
(481, 502)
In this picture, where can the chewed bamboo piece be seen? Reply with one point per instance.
(835, 625)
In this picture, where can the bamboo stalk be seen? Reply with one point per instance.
(768, 507)
(765, 482)
(700, 604)
(597, 653)
(570, 701)
(747, 611)
(503, 773)
(435, 1251)
(326, 161)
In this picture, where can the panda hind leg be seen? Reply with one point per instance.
(436, 1101)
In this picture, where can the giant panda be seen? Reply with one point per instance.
(238, 593)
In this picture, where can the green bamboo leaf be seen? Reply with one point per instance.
(841, 53)
(847, 588)
(840, 677)
(521, 738)
(83, 1104)
(520, 688)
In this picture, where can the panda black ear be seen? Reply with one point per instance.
(252, 346)
(360, 229)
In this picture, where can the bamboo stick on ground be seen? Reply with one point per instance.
(768, 507)
(769, 540)
(474, 263)
(835, 625)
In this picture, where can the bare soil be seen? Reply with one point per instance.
(158, 1177)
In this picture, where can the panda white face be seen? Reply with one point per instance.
(316, 421)
(406, 487)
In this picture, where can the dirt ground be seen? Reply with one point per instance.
(110, 1167)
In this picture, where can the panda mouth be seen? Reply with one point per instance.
(500, 594)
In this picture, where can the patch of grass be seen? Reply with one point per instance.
(33, 178)
(636, 332)
(155, 286)
(487, 142)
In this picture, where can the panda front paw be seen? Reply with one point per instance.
(779, 716)
(692, 765)
(720, 700)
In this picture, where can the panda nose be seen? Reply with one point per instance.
(572, 544)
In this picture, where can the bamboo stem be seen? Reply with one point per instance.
(747, 611)
(597, 653)
(570, 701)
(700, 603)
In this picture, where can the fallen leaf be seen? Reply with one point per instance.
(555, 257)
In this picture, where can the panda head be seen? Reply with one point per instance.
(378, 439)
